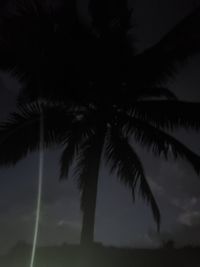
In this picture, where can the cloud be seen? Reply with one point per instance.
(186, 231)
(177, 184)
(73, 224)
(190, 218)
(157, 188)
(178, 190)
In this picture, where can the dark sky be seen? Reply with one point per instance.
(118, 221)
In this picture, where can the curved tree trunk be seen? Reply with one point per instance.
(89, 193)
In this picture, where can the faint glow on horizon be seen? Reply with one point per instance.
(40, 178)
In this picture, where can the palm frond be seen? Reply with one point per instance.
(33, 7)
(126, 96)
(168, 114)
(23, 39)
(161, 61)
(19, 135)
(155, 92)
(159, 142)
(122, 158)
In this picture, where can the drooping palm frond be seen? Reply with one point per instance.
(154, 92)
(19, 135)
(161, 61)
(159, 142)
(123, 159)
(127, 98)
(35, 7)
(168, 114)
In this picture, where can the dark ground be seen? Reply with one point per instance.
(71, 256)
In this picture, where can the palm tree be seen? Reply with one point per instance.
(89, 134)
(83, 118)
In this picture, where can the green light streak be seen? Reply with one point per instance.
(40, 178)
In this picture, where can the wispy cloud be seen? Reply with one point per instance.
(190, 218)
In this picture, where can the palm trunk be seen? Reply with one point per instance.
(89, 195)
(87, 234)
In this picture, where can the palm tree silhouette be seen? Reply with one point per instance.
(92, 110)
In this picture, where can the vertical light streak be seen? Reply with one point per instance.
(40, 180)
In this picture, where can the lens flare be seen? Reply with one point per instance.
(40, 180)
